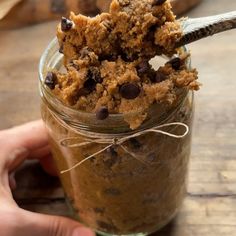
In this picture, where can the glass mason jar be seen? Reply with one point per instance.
(130, 188)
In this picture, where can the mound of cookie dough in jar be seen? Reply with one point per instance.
(107, 60)
(137, 186)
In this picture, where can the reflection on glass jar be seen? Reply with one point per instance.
(133, 188)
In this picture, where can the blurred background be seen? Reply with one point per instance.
(26, 28)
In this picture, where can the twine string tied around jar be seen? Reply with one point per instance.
(118, 141)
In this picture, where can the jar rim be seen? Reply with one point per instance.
(50, 59)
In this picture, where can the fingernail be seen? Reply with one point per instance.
(82, 231)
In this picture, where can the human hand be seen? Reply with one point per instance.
(18, 144)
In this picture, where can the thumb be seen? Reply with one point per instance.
(46, 225)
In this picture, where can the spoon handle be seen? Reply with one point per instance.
(198, 28)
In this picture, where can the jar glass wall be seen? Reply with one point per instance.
(130, 189)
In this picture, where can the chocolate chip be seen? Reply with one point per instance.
(128, 56)
(94, 74)
(175, 63)
(130, 91)
(112, 191)
(124, 56)
(66, 24)
(159, 77)
(143, 67)
(93, 78)
(158, 2)
(135, 143)
(110, 57)
(151, 33)
(51, 80)
(90, 84)
(102, 113)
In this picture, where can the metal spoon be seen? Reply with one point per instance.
(198, 28)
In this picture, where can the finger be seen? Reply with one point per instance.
(31, 136)
(19, 155)
(19, 142)
(45, 225)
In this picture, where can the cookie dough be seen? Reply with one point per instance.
(117, 193)
(107, 60)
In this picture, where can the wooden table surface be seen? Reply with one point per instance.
(210, 206)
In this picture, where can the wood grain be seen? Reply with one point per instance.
(210, 206)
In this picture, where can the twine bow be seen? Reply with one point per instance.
(119, 141)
